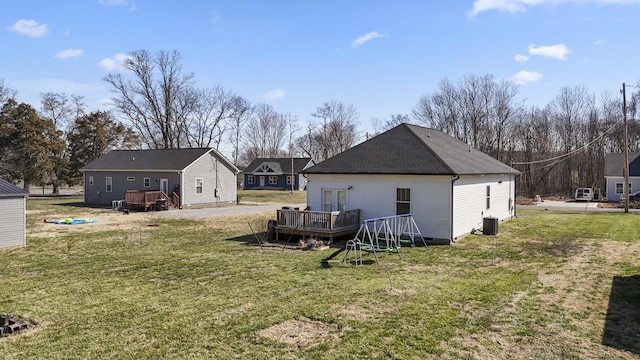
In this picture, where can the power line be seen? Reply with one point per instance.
(570, 153)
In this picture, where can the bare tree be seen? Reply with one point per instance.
(242, 111)
(204, 115)
(338, 123)
(151, 100)
(265, 134)
(6, 93)
(62, 110)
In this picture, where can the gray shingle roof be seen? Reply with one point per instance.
(8, 189)
(279, 165)
(412, 149)
(614, 164)
(149, 160)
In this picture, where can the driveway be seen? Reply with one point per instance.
(202, 213)
(572, 205)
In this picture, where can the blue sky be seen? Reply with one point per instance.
(379, 55)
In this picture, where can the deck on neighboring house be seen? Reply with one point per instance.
(150, 200)
(317, 223)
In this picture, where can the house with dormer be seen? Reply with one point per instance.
(276, 173)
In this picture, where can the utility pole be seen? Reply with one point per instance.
(626, 151)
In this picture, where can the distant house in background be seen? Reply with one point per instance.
(614, 174)
(276, 173)
(198, 176)
(447, 186)
(13, 207)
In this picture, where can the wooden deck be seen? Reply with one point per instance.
(149, 200)
(317, 223)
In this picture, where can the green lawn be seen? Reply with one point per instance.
(203, 289)
(274, 196)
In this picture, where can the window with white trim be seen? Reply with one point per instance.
(109, 184)
(403, 201)
(131, 178)
(291, 179)
(620, 188)
(147, 182)
(488, 196)
(251, 179)
(198, 185)
(273, 180)
(90, 180)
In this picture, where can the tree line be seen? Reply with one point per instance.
(156, 105)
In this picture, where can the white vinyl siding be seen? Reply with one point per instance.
(12, 211)
(376, 196)
(471, 197)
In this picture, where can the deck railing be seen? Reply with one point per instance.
(317, 220)
(145, 199)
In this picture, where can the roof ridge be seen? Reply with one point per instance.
(428, 147)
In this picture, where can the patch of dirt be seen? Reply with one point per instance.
(303, 332)
(560, 247)
(108, 220)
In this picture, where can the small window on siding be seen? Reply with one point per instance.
(251, 179)
(90, 180)
(109, 184)
(488, 197)
(147, 182)
(131, 178)
(290, 179)
(620, 188)
(199, 186)
(403, 201)
(273, 180)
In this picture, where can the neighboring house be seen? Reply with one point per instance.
(198, 176)
(614, 174)
(448, 187)
(276, 173)
(13, 207)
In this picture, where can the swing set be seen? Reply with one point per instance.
(383, 234)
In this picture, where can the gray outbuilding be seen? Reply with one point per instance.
(13, 209)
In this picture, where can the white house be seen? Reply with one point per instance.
(13, 207)
(448, 187)
(198, 175)
(614, 174)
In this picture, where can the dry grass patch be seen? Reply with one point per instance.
(303, 332)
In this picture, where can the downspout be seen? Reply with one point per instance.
(456, 177)
(181, 188)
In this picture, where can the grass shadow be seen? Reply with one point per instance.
(622, 323)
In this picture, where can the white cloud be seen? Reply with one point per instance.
(69, 53)
(114, 63)
(558, 51)
(365, 38)
(521, 58)
(274, 94)
(30, 28)
(514, 6)
(599, 42)
(524, 77)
